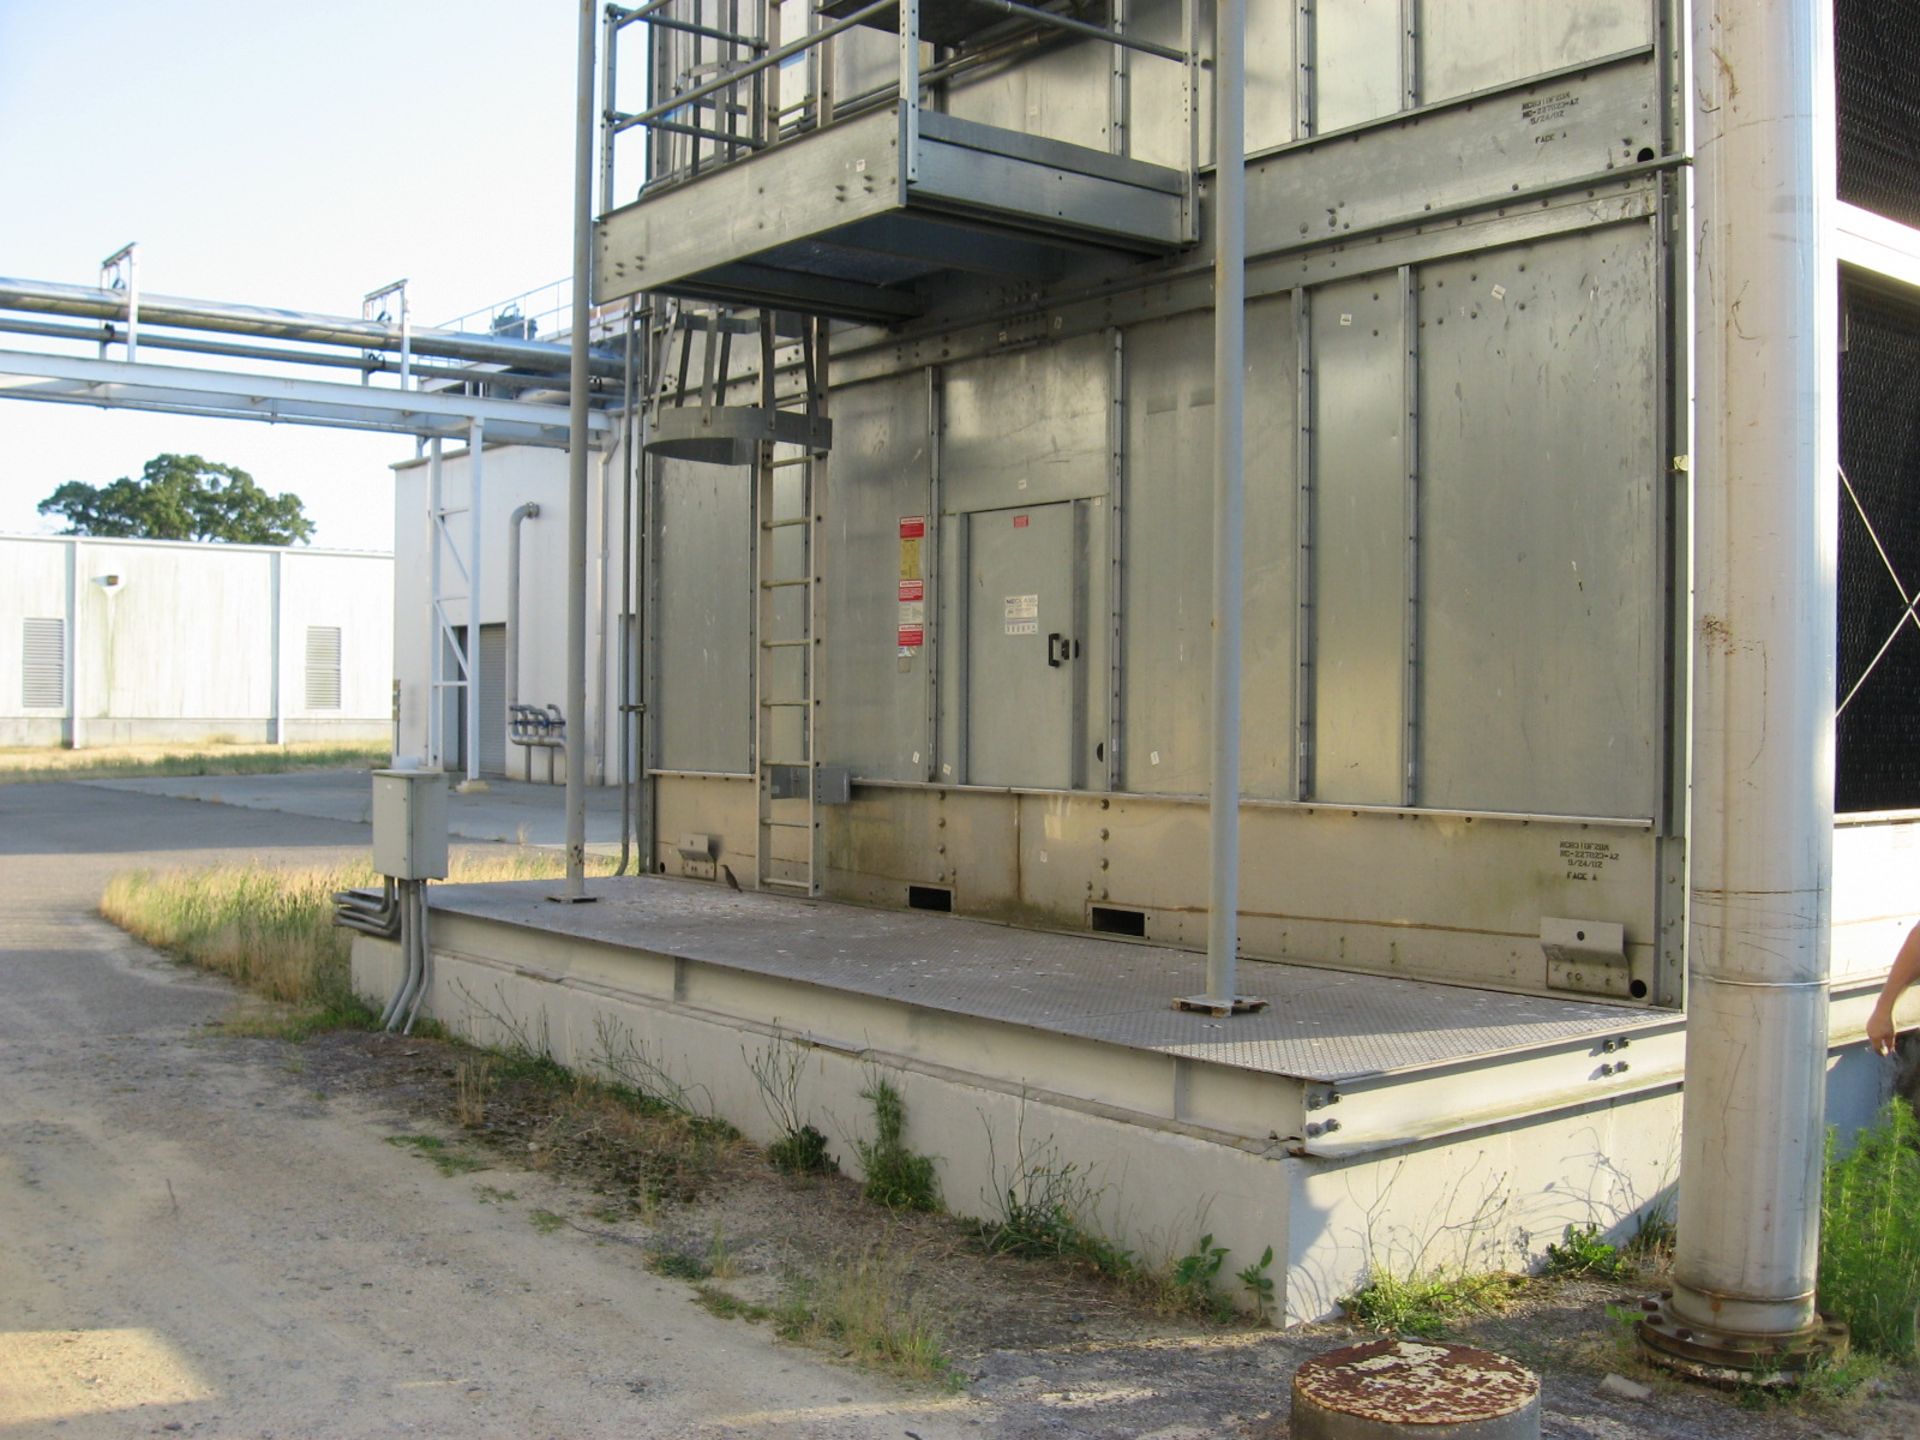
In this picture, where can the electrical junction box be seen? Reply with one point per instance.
(410, 824)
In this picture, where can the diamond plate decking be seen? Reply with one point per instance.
(1323, 1024)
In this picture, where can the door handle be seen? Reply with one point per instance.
(1059, 649)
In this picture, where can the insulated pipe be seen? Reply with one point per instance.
(577, 450)
(1764, 624)
(1229, 496)
(423, 947)
(43, 297)
(527, 511)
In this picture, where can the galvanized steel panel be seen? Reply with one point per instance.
(705, 622)
(1356, 61)
(1061, 94)
(1026, 428)
(1167, 607)
(1468, 45)
(875, 697)
(1541, 617)
(1359, 531)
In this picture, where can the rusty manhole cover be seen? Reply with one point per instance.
(1415, 1383)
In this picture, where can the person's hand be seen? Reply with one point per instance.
(1880, 1033)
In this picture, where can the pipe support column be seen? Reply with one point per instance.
(1765, 556)
(578, 443)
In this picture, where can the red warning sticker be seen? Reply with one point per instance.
(1020, 521)
(913, 589)
(912, 636)
(913, 527)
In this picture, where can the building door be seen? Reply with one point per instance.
(493, 700)
(1023, 647)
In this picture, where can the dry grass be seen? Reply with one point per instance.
(271, 930)
(860, 1306)
(21, 765)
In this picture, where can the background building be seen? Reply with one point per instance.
(107, 642)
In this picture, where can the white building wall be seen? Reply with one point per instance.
(510, 477)
(175, 641)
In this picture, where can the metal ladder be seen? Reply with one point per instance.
(788, 512)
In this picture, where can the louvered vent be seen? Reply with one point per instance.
(43, 671)
(1876, 49)
(323, 667)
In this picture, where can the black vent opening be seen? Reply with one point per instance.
(1877, 739)
(929, 897)
(1108, 920)
(1876, 56)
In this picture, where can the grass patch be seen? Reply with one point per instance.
(719, 1303)
(896, 1177)
(1581, 1251)
(804, 1152)
(678, 1264)
(545, 1221)
(26, 766)
(1427, 1304)
(861, 1308)
(446, 1159)
(271, 930)
(1870, 1235)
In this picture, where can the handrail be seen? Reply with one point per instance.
(770, 114)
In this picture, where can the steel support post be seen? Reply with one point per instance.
(1229, 506)
(1766, 508)
(578, 442)
(476, 444)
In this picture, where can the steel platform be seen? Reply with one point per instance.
(844, 221)
(1404, 1058)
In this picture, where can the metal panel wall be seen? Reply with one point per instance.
(1541, 642)
(1361, 75)
(875, 696)
(705, 623)
(1360, 542)
(1469, 45)
(1026, 428)
(1166, 609)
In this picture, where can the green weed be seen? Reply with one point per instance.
(896, 1177)
(1870, 1235)
(1581, 1251)
(860, 1306)
(1259, 1284)
(719, 1303)
(1425, 1304)
(545, 1221)
(446, 1159)
(678, 1264)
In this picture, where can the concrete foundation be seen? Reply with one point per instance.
(1363, 1122)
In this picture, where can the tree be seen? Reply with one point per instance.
(182, 497)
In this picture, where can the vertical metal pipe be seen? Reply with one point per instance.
(527, 511)
(577, 445)
(436, 644)
(1229, 490)
(476, 445)
(1763, 678)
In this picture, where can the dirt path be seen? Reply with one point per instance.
(191, 1241)
(211, 1235)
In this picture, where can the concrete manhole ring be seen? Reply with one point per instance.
(1386, 1388)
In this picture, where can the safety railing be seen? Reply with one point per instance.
(718, 93)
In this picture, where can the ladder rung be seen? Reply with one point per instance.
(455, 510)
(792, 460)
(797, 704)
(803, 824)
(806, 885)
(797, 520)
(783, 584)
(794, 644)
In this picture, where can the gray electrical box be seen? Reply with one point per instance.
(410, 824)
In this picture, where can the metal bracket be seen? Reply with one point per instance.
(1587, 956)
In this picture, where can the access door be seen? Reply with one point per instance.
(1023, 647)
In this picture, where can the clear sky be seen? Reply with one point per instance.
(297, 155)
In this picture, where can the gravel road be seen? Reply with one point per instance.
(192, 1241)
